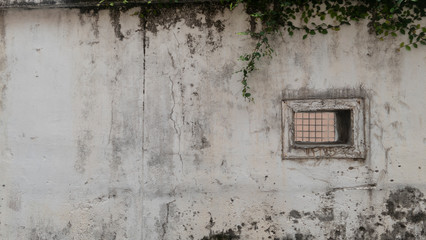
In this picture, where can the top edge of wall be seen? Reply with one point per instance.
(35, 4)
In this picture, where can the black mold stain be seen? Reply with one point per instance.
(405, 208)
(190, 43)
(416, 217)
(168, 15)
(214, 43)
(404, 218)
(227, 235)
(363, 232)
(204, 143)
(297, 236)
(295, 214)
(114, 14)
(399, 232)
(401, 203)
(325, 215)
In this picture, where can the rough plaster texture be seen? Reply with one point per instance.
(115, 128)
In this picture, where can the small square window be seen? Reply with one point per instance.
(318, 129)
(323, 128)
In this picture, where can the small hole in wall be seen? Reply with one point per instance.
(322, 127)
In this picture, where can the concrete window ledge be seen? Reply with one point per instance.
(354, 148)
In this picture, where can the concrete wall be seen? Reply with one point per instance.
(116, 128)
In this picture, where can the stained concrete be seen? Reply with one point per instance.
(114, 127)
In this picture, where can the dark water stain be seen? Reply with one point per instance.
(108, 233)
(199, 139)
(114, 14)
(48, 232)
(116, 154)
(84, 149)
(3, 76)
(15, 201)
(93, 16)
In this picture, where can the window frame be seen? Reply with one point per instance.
(354, 149)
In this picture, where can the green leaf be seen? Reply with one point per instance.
(415, 45)
(407, 47)
(305, 36)
(401, 44)
(247, 95)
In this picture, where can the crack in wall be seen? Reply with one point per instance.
(210, 224)
(111, 121)
(175, 123)
(166, 221)
(142, 24)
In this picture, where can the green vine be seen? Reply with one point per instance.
(386, 18)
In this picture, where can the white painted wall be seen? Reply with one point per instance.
(148, 137)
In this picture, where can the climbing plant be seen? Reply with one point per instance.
(385, 18)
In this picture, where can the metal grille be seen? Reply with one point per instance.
(315, 127)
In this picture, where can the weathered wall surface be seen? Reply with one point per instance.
(113, 128)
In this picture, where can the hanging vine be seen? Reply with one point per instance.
(385, 18)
